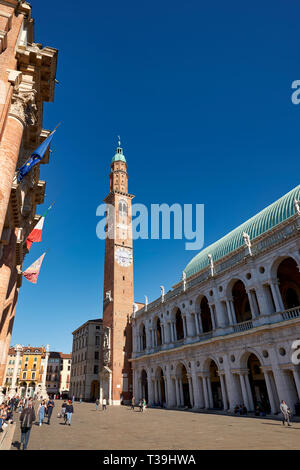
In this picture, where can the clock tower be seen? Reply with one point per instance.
(118, 299)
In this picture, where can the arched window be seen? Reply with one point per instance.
(122, 208)
(179, 325)
(289, 283)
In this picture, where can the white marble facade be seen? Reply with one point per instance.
(219, 340)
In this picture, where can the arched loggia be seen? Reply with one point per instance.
(241, 302)
(289, 283)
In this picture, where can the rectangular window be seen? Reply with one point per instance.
(95, 369)
(97, 340)
(96, 354)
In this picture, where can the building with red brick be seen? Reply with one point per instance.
(115, 369)
(27, 80)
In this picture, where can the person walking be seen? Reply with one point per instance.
(132, 403)
(50, 406)
(27, 417)
(80, 398)
(285, 411)
(69, 411)
(73, 399)
(41, 412)
(97, 403)
(144, 404)
(104, 404)
(63, 411)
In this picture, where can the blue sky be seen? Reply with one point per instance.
(200, 93)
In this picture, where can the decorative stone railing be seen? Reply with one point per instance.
(246, 325)
(291, 313)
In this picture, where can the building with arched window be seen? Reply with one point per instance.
(224, 335)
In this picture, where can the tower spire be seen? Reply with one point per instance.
(119, 156)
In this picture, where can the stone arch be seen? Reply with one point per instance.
(183, 389)
(204, 313)
(241, 301)
(157, 326)
(160, 391)
(144, 385)
(288, 276)
(256, 393)
(142, 333)
(178, 321)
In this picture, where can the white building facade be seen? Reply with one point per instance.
(84, 380)
(225, 334)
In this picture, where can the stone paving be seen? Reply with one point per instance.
(122, 428)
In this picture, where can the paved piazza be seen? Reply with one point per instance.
(122, 428)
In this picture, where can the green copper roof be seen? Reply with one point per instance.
(119, 157)
(265, 220)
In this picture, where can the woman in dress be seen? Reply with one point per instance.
(41, 410)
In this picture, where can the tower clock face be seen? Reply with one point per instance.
(123, 257)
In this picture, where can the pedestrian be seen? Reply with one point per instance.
(285, 410)
(50, 406)
(132, 403)
(69, 411)
(63, 411)
(141, 405)
(80, 398)
(41, 412)
(104, 404)
(97, 403)
(27, 418)
(144, 404)
(73, 399)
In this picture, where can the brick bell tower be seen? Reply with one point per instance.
(118, 298)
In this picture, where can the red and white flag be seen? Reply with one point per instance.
(36, 234)
(32, 273)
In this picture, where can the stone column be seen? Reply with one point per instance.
(224, 393)
(249, 393)
(232, 309)
(262, 300)
(253, 308)
(276, 296)
(229, 313)
(270, 393)
(150, 388)
(212, 316)
(244, 390)
(181, 392)
(297, 382)
(12, 391)
(210, 396)
(200, 322)
(197, 324)
(196, 391)
(184, 326)
(205, 390)
(174, 331)
(177, 392)
(191, 391)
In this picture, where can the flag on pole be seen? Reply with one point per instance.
(36, 234)
(32, 273)
(36, 156)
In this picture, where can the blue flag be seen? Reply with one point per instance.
(35, 158)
